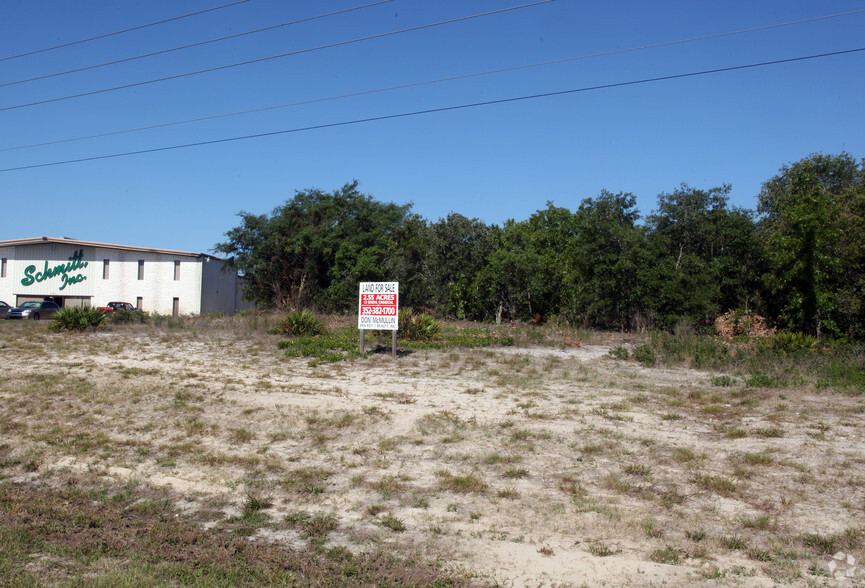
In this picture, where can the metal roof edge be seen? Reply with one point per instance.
(68, 241)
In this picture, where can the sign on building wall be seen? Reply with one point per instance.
(378, 306)
(53, 270)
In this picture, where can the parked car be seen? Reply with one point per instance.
(4, 309)
(114, 306)
(34, 310)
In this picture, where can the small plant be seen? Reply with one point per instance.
(619, 352)
(650, 526)
(256, 501)
(640, 470)
(318, 526)
(418, 326)
(462, 484)
(516, 473)
(600, 549)
(508, 493)
(723, 381)
(666, 555)
(787, 342)
(760, 381)
(301, 323)
(718, 484)
(696, 535)
(733, 543)
(123, 316)
(393, 523)
(77, 319)
(375, 509)
(645, 355)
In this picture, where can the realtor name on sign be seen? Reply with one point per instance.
(376, 322)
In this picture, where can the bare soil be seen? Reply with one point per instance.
(513, 466)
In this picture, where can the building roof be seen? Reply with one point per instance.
(68, 241)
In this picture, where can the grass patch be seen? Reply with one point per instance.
(465, 484)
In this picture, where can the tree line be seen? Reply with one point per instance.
(797, 259)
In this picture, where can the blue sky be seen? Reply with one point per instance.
(491, 162)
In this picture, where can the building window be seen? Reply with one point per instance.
(104, 269)
(140, 269)
(175, 307)
(3, 268)
(138, 302)
(176, 270)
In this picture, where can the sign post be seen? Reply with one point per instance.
(378, 309)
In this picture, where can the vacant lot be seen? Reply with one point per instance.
(543, 463)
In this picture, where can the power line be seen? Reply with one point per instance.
(271, 57)
(437, 110)
(435, 81)
(129, 30)
(191, 45)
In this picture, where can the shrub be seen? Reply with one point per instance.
(645, 355)
(77, 319)
(787, 342)
(301, 323)
(127, 316)
(418, 326)
(619, 352)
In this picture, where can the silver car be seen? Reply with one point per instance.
(4, 309)
(33, 310)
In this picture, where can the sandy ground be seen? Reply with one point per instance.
(516, 466)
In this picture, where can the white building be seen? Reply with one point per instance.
(82, 273)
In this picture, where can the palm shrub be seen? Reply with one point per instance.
(418, 326)
(77, 319)
(300, 323)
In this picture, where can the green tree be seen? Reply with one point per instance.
(812, 226)
(706, 256)
(457, 250)
(315, 248)
(607, 251)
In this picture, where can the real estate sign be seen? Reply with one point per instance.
(378, 306)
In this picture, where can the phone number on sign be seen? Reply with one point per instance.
(378, 311)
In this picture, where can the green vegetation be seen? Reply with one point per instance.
(77, 319)
(301, 323)
(90, 536)
(796, 260)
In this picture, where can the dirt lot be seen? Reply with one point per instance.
(514, 466)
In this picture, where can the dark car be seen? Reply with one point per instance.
(34, 310)
(4, 309)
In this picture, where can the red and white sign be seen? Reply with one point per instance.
(378, 306)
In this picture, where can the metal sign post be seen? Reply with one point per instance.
(378, 309)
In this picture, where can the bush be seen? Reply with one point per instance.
(77, 319)
(301, 323)
(127, 316)
(418, 326)
(787, 342)
(645, 355)
(619, 352)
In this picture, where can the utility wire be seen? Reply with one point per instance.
(438, 110)
(191, 45)
(281, 55)
(129, 30)
(428, 82)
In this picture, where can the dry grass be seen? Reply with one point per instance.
(513, 464)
